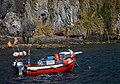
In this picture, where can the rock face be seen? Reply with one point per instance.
(16, 6)
(117, 25)
(11, 13)
(57, 12)
(12, 23)
(59, 17)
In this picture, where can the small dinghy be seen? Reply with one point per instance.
(61, 62)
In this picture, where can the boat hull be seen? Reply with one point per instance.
(50, 69)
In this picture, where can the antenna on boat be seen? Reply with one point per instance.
(28, 49)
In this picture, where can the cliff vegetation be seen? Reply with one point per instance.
(92, 20)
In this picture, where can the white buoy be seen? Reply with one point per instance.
(89, 67)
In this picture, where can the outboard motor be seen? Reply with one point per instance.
(18, 67)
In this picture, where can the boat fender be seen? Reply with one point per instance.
(25, 53)
(21, 54)
(15, 54)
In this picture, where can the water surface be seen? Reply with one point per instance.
(99, 64)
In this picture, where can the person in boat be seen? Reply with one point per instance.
(72, 55)
(67, 58)
(58, 59)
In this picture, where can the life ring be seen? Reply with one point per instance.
(15, 54)
(21, 54)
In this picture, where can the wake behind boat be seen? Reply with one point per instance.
(61, 62)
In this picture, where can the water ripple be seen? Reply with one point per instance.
(99, 64)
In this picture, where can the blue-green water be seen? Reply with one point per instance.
(99, 64)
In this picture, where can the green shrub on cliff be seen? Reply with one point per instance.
(42, 29)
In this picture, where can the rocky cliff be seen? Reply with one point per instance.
(91, 19)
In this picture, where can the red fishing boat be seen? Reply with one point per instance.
(61, 62)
